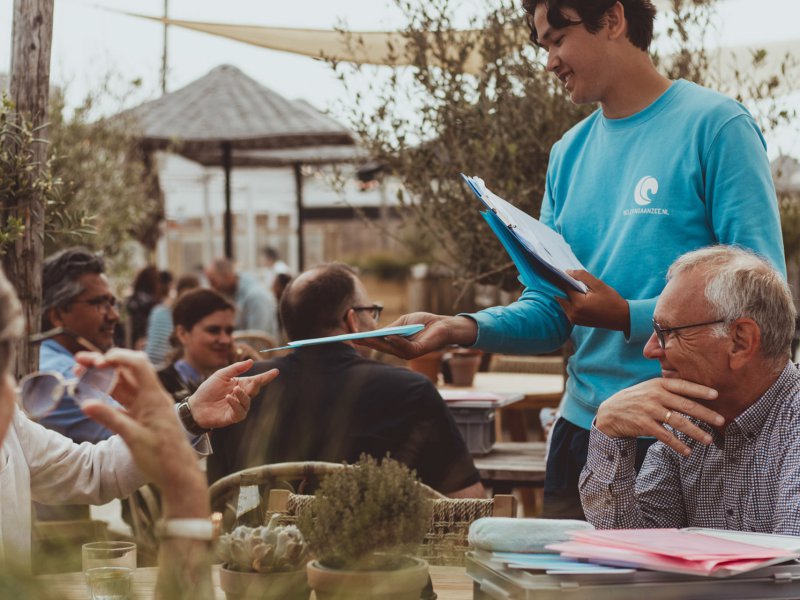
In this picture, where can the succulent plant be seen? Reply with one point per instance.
(265, 549)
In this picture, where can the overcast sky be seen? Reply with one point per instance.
(89, 41)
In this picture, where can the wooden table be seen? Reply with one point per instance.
(519, 465)
(539, 391)
(450, 583)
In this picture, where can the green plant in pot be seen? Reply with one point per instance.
(363, 527)
(264, 563)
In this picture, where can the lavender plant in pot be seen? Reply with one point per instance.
(364, 526)
(264, 563)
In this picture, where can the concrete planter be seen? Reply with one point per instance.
(400, 584)
(240, 585)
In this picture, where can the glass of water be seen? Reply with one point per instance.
(108, 568)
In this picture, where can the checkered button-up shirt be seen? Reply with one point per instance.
(748, 479)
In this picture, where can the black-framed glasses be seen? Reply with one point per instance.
(375, 308)
(661, 332)
(102, 304)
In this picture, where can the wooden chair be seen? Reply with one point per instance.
(446, 540)
(511, 363)
(241, 496)
(144, 506)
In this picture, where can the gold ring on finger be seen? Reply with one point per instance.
(667, 417)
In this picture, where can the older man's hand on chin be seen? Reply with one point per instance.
(644, 410)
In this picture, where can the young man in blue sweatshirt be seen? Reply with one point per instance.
(661, 168)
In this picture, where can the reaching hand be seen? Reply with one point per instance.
(440, 331)
(224, 398)
(601, 306)
(149, 425)
(644, 410)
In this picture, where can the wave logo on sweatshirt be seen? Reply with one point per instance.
(644, 195)
(647, 185)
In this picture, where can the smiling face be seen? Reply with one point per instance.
(207, 346)
(92, 314)
(578, 58)
(694, 354)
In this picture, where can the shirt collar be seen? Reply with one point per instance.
(188, 373)
(54, 346)
(752, 420)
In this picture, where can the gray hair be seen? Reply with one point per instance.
(60, 274)
(12, 323)
(739, 283)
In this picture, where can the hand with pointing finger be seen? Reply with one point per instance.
(644, 409)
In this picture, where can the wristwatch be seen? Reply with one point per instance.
(185, 415)
(208, 529)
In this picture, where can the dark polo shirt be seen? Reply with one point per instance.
(331, 404)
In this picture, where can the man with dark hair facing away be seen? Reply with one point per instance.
(332, 404)
(661, 168)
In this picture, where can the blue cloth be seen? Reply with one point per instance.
(630, 196)
(255, 306)
(67, 418)
(159, 330)
(188, 373)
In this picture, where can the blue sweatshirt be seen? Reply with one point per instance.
(630, 196)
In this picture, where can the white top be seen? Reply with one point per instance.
(42, 465)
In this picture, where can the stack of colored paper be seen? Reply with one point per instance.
(671, 550)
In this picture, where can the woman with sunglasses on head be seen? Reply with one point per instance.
(203, 336)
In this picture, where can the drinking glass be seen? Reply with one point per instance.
(108, 568)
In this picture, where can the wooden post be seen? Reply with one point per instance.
(29, 86)
(298, 190)
(227, 165)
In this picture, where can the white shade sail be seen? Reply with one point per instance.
(389, 48)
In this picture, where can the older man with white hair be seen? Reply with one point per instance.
(725, 410)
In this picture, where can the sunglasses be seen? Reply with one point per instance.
(39, 393)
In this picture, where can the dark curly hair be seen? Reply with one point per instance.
(640, 15)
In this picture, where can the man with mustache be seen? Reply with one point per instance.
(724, 411)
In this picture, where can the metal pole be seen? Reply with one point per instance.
(226, 164)
(298, 186)
(164, 53)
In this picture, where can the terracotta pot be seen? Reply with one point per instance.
(428, 365)
(240, 585)
(400, 584)
(463, 366)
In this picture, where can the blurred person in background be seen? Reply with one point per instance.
(271, 266)
(255, 305)
(147, 292)
(159, 326)
(80, 311)
(203, 337)
(279, 285)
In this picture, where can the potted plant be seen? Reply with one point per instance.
(363, 527)
(264, 563)
(428, 364)
(463, 363)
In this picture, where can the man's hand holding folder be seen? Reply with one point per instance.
(440, 331)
